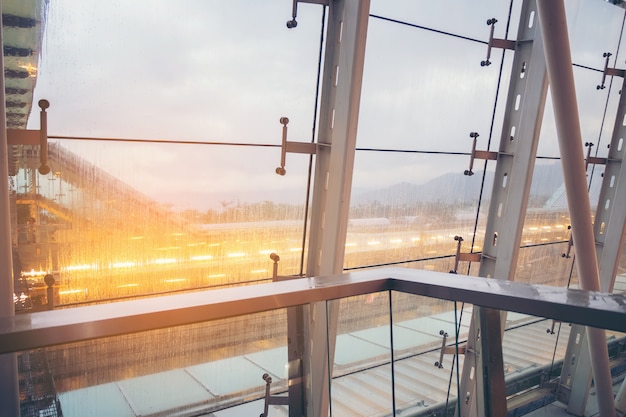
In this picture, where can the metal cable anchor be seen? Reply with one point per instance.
(592, 159)
(465, 257)
(271, 399)
(309, 148)
(35, 137)
(495, 43)
(475, 154)
(447, 350)
(608, 71)
(294, 11)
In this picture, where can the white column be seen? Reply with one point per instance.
(561, 78)
(339, 113)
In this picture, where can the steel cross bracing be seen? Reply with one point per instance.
(610, 220)
(507, 210)
(313, 328)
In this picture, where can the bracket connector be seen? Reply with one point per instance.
(478, 154)
(495, 43)
(275, 277)
(551, 329)
(592, 159)
(293, 147)
(447, 350)
(294, 10)
(34, 137)
(465, 257)
(609, 71)
(271, 399)
(570, 243)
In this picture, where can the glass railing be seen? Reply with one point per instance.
(398, 335)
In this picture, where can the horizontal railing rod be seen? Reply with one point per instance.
(41, 329)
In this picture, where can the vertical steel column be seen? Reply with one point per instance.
(609, 227)
(507, 210)
(339, 111)
(559, 63)
(9, 389)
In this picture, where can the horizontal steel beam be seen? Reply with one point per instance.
(36, 330)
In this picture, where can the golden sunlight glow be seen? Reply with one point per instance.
(201, 258)
(162, 261)
(170, 281)
(33, 273)
(236, 255)
(84, 267)
(123, 264)
(127, 285)
(67, 292)
(30, 68)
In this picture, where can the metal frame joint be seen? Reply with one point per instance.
(476, 154)
(495, 43)
(309, 148)
(614, 72)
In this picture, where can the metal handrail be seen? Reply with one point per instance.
(41, 329)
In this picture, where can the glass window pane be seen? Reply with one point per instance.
(361, 370)
(412, 208)
(194, 369)
(407, 100)
(195, 70)
(424, 376)
(109, 227)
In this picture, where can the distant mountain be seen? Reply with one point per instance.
(456, 188)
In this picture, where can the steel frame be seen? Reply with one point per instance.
(507, 210)
(609, 227)
(314, 327)
(560, 73)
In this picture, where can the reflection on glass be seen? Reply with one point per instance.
(362, 344)
(420, 96)
(194, 369)
(424, 338)
(108, 228)
(546, 265)
(586, 42)
(412, 209)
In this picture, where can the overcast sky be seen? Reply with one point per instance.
(226, 71)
